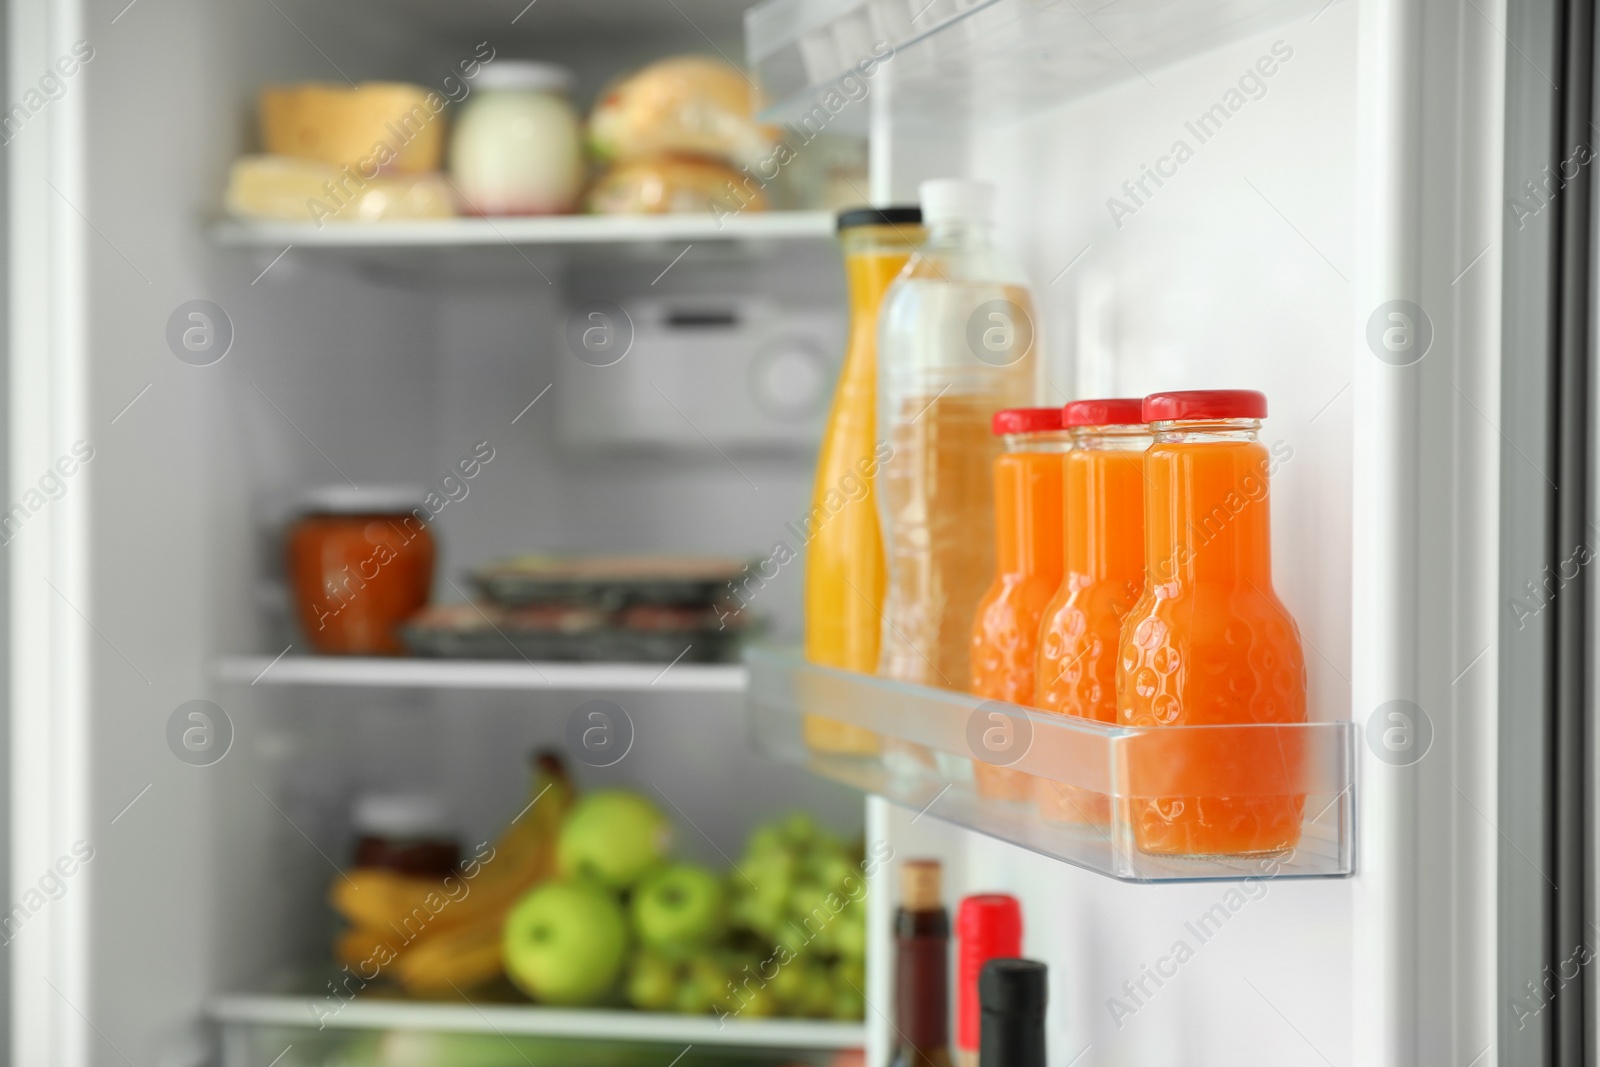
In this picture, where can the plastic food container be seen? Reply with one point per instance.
(612, 583)
(516, 148)
(359, 562)
(640, 634)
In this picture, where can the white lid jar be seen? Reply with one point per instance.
(516, 149)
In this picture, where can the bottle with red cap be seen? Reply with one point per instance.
(1005, 629)
(1209, 642)
(988, 926)
(1102, 577)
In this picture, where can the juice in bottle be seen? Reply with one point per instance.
(957, 343)
(844, 575)
(1027, 523)
(1209, 642)
(1102, 577)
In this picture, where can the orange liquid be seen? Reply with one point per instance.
(1005, 630)
(845, 576)
(1104, 575)
(1210, 643)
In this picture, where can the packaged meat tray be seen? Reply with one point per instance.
(610, 583)
(642, 633)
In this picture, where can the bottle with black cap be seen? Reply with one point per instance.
(1013, 994)
(844, 575)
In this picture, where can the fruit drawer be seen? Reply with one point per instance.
(1141, 804)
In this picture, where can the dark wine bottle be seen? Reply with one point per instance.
(1013, 994)
(922, 969)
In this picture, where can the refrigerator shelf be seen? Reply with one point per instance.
(377, 672)
(933, 744)
(259, 1028)
(977, 58)
(562, 231)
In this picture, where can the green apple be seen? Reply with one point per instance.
(652, 982)
(678, 907)
(565, 943)
(613, 836)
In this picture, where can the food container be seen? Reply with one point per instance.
(408, 833)
(613, 583)
(359, 562)
(516, 149)
(640, 634)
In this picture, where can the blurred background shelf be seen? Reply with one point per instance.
(1288, 788)
(554, 230)
(239, 1010)
(403, 673)
(960, 59)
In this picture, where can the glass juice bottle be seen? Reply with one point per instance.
(1103, 575)
(957, 343)
(1209, 643)
(844, 575)
(1005, 629)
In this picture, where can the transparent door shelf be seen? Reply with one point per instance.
(1289, 787)
(950, 59)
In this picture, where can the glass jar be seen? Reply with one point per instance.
(407, 833)
(360, 562)
(516, 149)
(1209, 643)
(1102, 577)
(1005, 628)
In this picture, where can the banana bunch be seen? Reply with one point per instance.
(432, 934)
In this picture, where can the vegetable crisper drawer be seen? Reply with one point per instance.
(1142, 804)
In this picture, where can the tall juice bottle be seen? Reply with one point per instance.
(844, 576)
(1103, 575)
(1209, 642)
(956, 344)
(1027, 547)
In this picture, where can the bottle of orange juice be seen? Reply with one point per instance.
(1209, 643)
(1027, 547)
(957, 343)
(844, 554)
(1102, 577)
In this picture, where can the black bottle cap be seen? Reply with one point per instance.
(880, 216)
(1013, 987)
(1011, 1028)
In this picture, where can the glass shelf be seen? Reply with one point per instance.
(955, 59)
(260, 1030)
(1122, 801)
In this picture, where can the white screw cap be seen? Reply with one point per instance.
(956, 200)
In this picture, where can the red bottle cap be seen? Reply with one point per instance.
(1025, 420)
(1122, 411)
(1204, 404)
(988, 926)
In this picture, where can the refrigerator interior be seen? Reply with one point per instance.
(1242, 268)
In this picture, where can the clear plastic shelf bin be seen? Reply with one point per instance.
(1129, 802)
